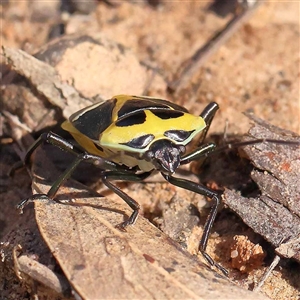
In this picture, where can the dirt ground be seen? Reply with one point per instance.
(256, 70)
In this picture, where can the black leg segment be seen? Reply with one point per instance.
(118, 172)
(106, 176)
(201, 152)
(208, 115)
(200, 189)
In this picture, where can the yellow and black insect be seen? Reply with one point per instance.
(130, 136)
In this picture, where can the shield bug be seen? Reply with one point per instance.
(130, 136)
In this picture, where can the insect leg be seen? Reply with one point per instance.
(215, 196)
(210, 149)
(200, 152)
(107, 176)
(50, 138)
(208, 115)
(61, 143)
(55, 140)
(55, 186)
(203, 150)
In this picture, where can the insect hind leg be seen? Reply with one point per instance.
(61, 143)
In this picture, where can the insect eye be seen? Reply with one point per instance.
(178, 135)
(140, 142)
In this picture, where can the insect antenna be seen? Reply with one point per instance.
(236, 145)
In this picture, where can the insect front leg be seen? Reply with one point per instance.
(215, 196)
(201, 152)
(208, 115)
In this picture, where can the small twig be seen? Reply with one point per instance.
(201, 55)
(267, 273)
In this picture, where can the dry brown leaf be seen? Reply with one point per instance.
(58, 72)
(275, 213)
(102, 262)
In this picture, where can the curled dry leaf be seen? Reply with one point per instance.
(57, 77)
(43, 77)
(102, 262)
(275, 214)
(39, 272)
(95, 65)
(26, 256)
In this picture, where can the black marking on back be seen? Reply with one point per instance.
(140, 142)
(136, 105)
(168, 114)
(134, 119)
(98, 147)
(158, 101)
(178, 135)
(93, 122)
